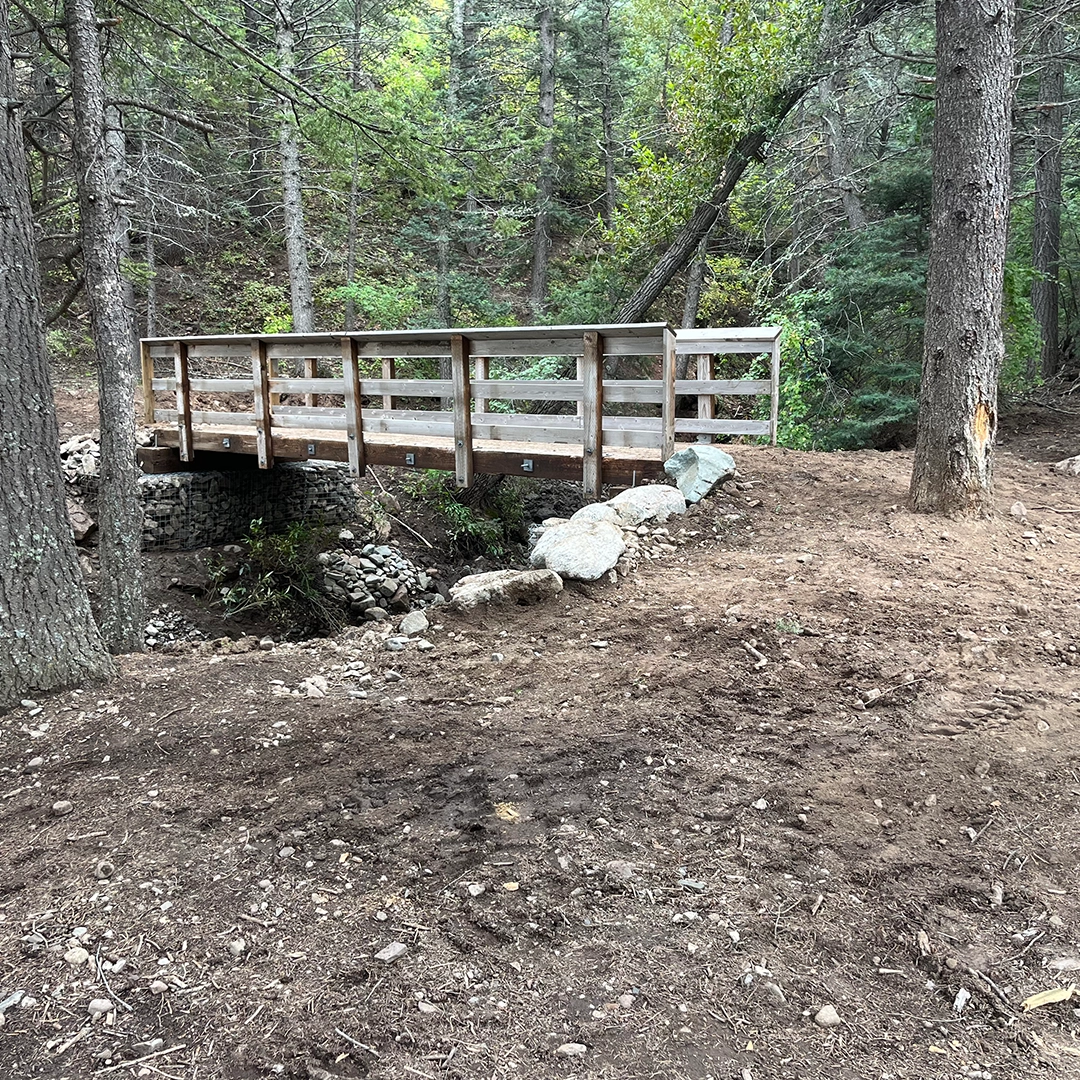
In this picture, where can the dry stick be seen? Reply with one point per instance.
(412, 530)
(357, 1042)
(73, 1040)
(1055, 510)
(112, 993)
(139, 1061)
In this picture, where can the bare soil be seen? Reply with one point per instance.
(828, 755)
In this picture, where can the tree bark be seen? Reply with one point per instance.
(695, 281)
(1046, 229)
(837, 157)
(48, 639)
(353, 210)
(102, 234)
(963, 345)
(607, 113)
(301, 290)
(545, 183)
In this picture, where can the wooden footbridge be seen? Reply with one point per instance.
(367, 397)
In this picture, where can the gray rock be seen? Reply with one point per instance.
(583, 551)
(61, 808)
(415, 622)
(524, 587)
(654, 502)
(394, 951)
(827, 1017)
(376, 614)
(572, 1049)
(1068, 467)
(699, 470)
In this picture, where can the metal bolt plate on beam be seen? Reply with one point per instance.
(226, 443)
(527, 465)
(311, 449)
(410, 459)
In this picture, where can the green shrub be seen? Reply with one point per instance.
(279, 578)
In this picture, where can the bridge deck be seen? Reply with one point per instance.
(337, 397)
(557, 461)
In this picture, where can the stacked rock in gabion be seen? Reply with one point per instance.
(374, 581)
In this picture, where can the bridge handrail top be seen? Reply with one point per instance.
(488, 333)
(721, 334)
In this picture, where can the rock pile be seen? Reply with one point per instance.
(166, 625)
(79, 456)
(373, 581)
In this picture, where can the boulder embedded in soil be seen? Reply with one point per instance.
(699, 470)
(522, 587)
(582, 551)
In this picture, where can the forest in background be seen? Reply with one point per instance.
(312, 165)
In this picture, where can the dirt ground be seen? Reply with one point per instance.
(820, 752)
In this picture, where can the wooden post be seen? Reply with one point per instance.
(147, 382)
(774, 414)
(706, 403)
(311, 371)
(463, 457)
(667, 407)
(260, 377)
(592, 416)
(389, 366)
(183, 401)
(354, 419)
(480, 371)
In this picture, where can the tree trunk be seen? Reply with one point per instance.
(120, 509)
(353, 210)
(48, 639)
(1046, 232)
(442, 268)
(258, 199)
(695, 280)
(607, 113)
(963, 346)
(301, 290)
(545, 183)
(837, 157)
(151, 283)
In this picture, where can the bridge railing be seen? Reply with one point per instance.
(353, 385)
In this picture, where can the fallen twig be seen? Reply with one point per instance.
(412, 530)
(750, 647)
(357, 1042)
(139, 1061)
(112, 993)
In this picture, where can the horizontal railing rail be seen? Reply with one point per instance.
(353, 403)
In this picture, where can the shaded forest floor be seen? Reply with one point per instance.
(656, 857)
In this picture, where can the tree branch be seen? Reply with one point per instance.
(66, 301)
(170, 114)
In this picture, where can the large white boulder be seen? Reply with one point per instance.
(601, 511)
(699, 469)
(582, 550)
(524, 587)
(1069, 467)
(654, 502)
